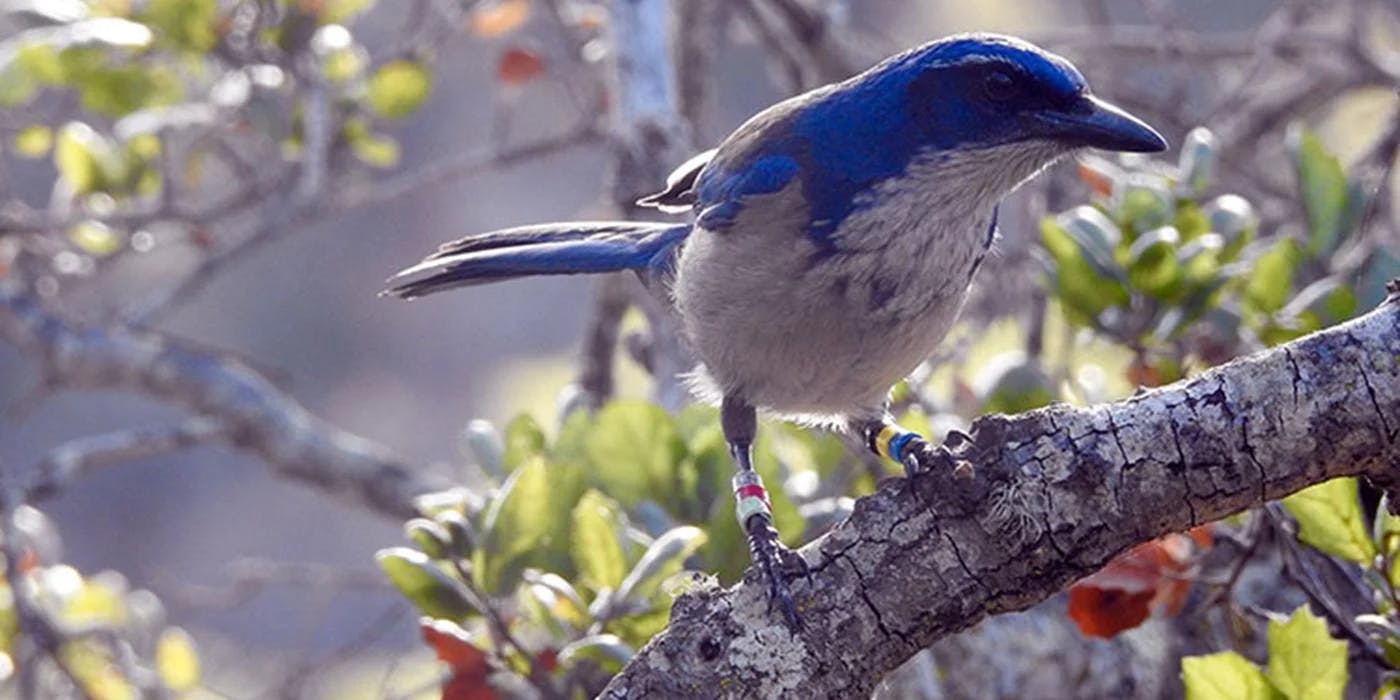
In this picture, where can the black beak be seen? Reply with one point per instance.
(1095, 123)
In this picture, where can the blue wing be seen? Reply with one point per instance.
(549, 249)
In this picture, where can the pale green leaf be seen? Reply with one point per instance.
(177, 661)
(662, 558)
(1305, 662)
(1330, 519)
(341, 11)
(399, 88)
(95, 238)
(79, 154)
(1271, 280)
(1224, 676)
(33, 141)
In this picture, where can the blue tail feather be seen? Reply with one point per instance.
(549, 249)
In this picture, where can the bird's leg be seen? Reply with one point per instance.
(888, 439)
(754, 511)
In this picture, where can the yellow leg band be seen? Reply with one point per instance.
(882, 441)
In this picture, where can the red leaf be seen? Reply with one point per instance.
(517, 66)
(452, 644)
(468, 661)
(1104, 612)
(548, 659)
(1152, 577)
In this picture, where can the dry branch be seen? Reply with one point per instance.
(1057, 492)
(254, 414)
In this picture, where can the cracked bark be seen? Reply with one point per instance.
(254, 414)
(1057, 492)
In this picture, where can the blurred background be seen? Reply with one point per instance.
(275, 580)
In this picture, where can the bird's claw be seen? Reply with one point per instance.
(778, 564)
(920, 456)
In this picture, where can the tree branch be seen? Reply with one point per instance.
(1056, 493)
(254, 415)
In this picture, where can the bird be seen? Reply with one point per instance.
(832, 240)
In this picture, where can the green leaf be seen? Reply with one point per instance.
(33, 141)
(1224, 676)
(1152, 264)
(95, 238)
(1324, 188)
(341, 11)
(606, 650)
(185, 24)
(662, 559)
(84, 158)
(524, 439)
(42, 62)
(1083, 291)
(527, 524)
(596, 549)
(635, 451)
(424, 584)
(1271, 281)
(1145, 203)
(177, 662)
(1330, 519)
(374, 149)
(398, 88)
(1305, 662)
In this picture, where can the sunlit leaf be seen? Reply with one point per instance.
(79, 154)
(1330, 519)
(177, 661)
(524, 439)
(595, 547)
(95, 238)
(528, 524)
(1305, 662)
(399, 88)
(1225, 676)
(423, 583)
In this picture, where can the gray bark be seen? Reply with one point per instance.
(1055, 494)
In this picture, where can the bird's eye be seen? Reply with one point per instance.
(999, 87)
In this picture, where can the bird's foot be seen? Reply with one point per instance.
(916, 454)
(779, 565)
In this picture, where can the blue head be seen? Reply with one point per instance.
(964, 119)
(984, 90)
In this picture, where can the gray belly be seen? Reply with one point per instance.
(799, 336)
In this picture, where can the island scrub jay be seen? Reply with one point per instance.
(835, 235)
